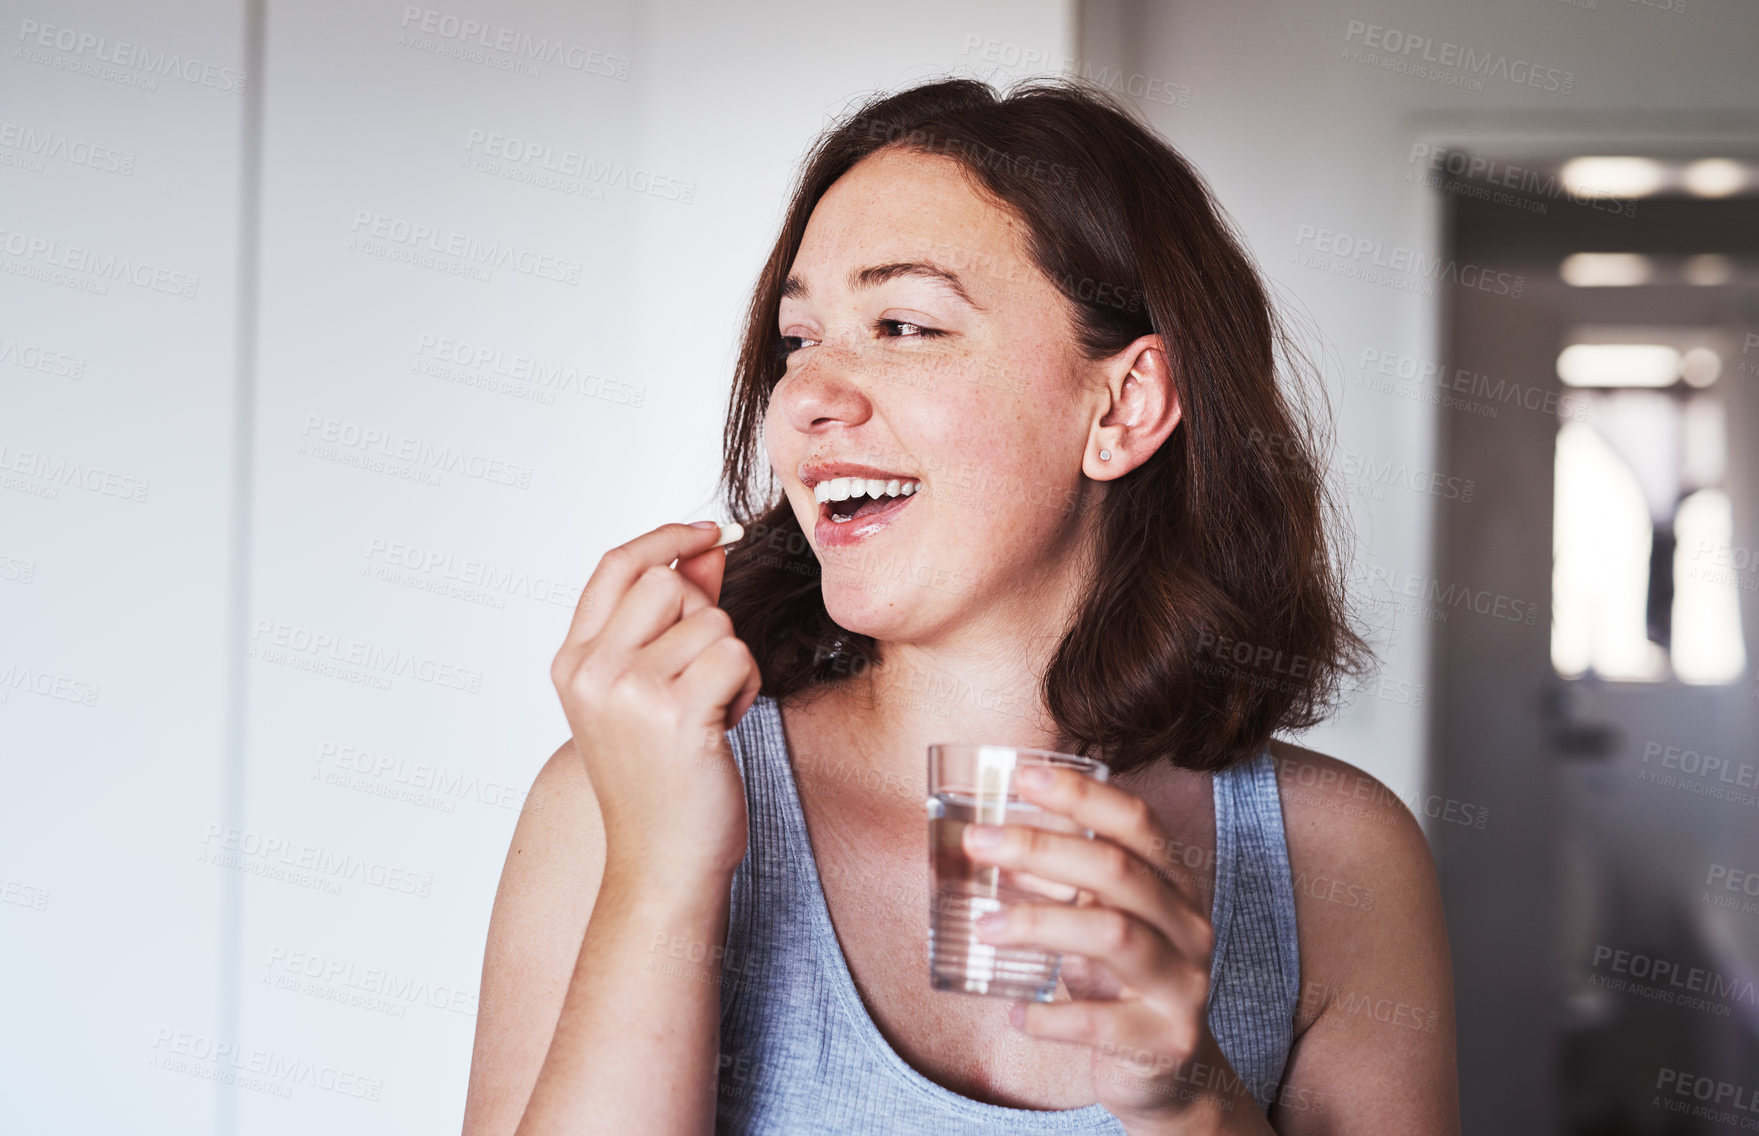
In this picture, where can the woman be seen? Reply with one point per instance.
(1038, 485)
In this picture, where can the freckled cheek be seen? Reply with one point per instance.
(976, 430)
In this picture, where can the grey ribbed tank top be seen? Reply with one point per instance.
(799, 1053)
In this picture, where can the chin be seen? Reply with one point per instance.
(889, 605)
(867, 606)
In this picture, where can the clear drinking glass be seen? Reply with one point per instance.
(974, 784)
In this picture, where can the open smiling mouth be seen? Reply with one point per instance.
(845, 499)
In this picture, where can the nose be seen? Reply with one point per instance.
(823, 394)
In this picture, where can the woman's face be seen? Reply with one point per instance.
(924, 345)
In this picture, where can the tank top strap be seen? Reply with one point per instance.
(1255, 972)
(766, 892)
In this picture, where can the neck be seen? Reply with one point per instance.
(918, 696)
(978, 688)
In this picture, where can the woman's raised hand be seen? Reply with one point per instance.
(650, 676)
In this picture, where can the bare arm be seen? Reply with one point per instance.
(593, 1018)
(1374, 1049)
(548, 887)
(582, 999)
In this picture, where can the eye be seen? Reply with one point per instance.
(904, 329)
(786, 345)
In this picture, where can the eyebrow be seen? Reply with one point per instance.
(871, 277)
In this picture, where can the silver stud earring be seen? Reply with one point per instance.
(1105, 455)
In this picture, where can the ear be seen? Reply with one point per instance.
(1140, 407)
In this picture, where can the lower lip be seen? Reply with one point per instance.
(830, 534)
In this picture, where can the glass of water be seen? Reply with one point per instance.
(974, 784)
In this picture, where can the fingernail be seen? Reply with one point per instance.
(984, 835)
(730, 533)
(991, 922)
(1017, 1015)
(705, 524)
(1034, 777)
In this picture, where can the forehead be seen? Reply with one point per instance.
(897, 205)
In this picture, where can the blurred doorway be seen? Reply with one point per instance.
(1596, 617)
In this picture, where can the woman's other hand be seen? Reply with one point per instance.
(1140, 981)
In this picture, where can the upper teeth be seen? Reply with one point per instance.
(843, 488)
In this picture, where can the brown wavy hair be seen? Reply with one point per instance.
(1216, 613)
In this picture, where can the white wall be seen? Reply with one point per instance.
(118, 197)
(317, 937)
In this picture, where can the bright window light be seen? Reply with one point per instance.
(1606, 269)
(1612, 177)
(1707, 644)
(1618, 365)
(1600, 564)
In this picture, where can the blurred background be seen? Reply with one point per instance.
(339, 340)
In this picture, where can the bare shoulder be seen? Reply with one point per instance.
(549, 884)
(1363, 875)
(1376, 999)
(1335, 814)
